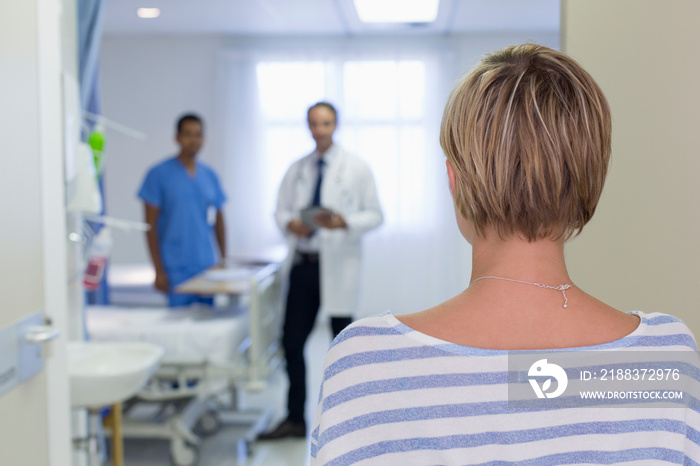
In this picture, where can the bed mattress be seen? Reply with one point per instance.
(189, 336)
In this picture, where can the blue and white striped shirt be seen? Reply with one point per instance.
(394, 396)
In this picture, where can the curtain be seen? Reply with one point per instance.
(90, 19)
(390, 103)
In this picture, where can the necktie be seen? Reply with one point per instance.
(317, 191)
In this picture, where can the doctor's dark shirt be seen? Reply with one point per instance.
(188, 205)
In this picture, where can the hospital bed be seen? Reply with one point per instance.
(210, 353)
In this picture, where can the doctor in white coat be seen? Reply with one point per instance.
(324, 257)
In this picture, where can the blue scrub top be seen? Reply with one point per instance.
(188, 206)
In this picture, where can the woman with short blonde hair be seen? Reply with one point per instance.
(528, 134)
(527, 139)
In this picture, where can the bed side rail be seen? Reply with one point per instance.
(265, 321)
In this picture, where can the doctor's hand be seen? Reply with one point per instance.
(330, 220)
(162, 283)
(299, 228)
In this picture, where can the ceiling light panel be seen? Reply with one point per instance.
(148, 13)
(397, 11)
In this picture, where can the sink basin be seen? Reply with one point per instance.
(104, 373)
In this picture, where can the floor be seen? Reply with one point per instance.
(223, 447)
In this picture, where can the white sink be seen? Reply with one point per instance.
(104, 373)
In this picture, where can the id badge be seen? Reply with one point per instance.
(211, 215)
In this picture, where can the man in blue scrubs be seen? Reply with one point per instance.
(183, 200)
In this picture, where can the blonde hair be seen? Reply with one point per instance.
(527, 133)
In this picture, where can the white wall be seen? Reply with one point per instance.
(148, 81)
(34, 415)
(642, 249)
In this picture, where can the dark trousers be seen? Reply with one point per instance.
(303, 301)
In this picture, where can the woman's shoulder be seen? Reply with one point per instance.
(660, 329)
(666, 322)
(371, 335)
(657, 318)
(369, 327)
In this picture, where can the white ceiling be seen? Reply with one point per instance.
(321, 17)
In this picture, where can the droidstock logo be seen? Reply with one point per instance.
(542, 369)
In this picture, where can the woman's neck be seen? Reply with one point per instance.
(540, 261)
(496, 314)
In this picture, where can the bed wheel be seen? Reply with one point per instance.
(208, 424)
(183, 453)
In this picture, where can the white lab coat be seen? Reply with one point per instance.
(348, 188)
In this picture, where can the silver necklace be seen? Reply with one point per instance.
(561, 288)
